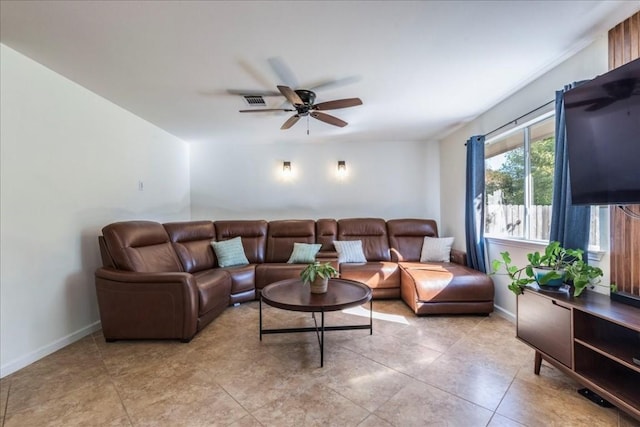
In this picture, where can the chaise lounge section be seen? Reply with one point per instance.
(164, 281)
(436, 287)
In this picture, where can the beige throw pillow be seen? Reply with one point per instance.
(349, 251)
(436, 249)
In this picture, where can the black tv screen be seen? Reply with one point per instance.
(603, 138)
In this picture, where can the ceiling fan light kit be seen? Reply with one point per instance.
(303, 102)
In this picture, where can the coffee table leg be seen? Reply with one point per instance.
(322, 342)
(371, 316)
(261, 318)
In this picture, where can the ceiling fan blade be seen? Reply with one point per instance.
(250, 92)
(283, 72)
(263, 110)
(291, 96)
(327, 84)
(290, 122)
(328, 119)
(260, 77)
(338, 103)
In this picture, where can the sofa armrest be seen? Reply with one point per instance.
(147, 305)
(458, 257)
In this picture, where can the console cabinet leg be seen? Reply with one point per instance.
(537, 363)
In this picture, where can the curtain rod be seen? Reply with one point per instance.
(515, 121)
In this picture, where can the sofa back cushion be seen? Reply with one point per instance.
(252, 232)
(141, 246)
(371, 231)
(281, 235)
(407, 235)
(326, 233)
(192, 243)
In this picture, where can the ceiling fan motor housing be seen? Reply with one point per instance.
(307, 96)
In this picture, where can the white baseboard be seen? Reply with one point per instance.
(19, 363)
(505, 313)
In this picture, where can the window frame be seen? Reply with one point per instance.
(528, 194)
(595, 252)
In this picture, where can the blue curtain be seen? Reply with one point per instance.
(474, 209)
(569, 223)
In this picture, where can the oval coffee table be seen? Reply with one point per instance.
(293, 295)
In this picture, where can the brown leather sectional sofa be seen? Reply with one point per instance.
(162, 281)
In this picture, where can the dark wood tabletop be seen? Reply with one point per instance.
(293, 295)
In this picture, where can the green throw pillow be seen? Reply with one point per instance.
(304, 253)
(230, 252)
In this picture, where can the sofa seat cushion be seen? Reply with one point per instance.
(273, 272)
(243, 277)
(447, 282)
(214, 287)
(381, 274)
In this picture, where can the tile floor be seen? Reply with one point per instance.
(444, 370)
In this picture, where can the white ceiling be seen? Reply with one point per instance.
(420, 67)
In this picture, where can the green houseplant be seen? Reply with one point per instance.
(581, 275)
(317, 275)
(549, 269)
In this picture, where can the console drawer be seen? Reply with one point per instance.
(545, 325)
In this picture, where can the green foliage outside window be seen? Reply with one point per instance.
(510, 176)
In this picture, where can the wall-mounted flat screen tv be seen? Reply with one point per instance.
(603, 138)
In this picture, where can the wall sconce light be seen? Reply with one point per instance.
(342, 168)
(286, 168)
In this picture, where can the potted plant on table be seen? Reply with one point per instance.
(549, 270)
(317, 275)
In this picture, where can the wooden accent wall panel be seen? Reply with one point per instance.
(624, 42)
(624, 46)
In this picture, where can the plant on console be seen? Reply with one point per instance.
(550, 268)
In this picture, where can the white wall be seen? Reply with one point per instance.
(71, 162)
(385, 179)
(586, 64)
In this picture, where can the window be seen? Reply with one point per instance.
(519, 166)
(519, 181)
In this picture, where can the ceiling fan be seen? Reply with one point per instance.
(303, 102)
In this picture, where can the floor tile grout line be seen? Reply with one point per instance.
(241, 405)
(515, 376)
(113, 382)
(439, 388)
(52, 397)
(390, 397)
(104, 358)
(6, 404)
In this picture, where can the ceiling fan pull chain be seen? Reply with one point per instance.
(307, 125)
